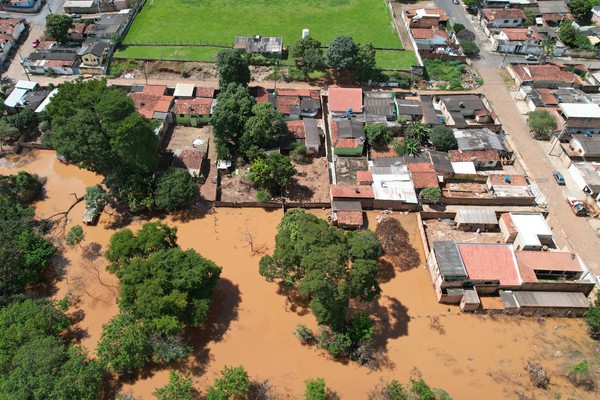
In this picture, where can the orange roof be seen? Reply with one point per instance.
(545, 72)
(262, 95)
(200, 106)
(348, 143)
(285, 103)
(549, 260)
(520, 34)
(500, 180)
(364, 176)
(154, 90)
(474, 155)
(205, 92)
(296, 128)
(7, 25)
(488, 262)
(423, 175)
(188, 159)
(352, 191)
(342, 99)
(508, 221)
(503, 13)
(431, 11)
(294, 92)
(148, 104)
(426, 33)
(349, 218)
(547, 96)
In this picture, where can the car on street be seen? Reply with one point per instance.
(559, 178)
(531, 57)
(74, 16)
(577, 206)
(35, 43)
(456, 2)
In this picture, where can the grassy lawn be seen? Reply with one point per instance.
(218, 21)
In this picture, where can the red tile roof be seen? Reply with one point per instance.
(503, 13)
(154, 90)
(520, 34)
(487, 262)
(261, 95)
(352, 191)
(431, 11)
(199, 106)
(294, 92)
(296, 128)
(545, 72)
(7, 25)
(547, 96)
(364, 177)
(474, 155)
(423, 175)
(508, 221)
(348, 143)
(206, 92)
(556, 17)
(350, 218)
(426, 33)
(515, 180)
(285, 103)
(549, 260)
(148, 104)
(188, 159)
(342, 99)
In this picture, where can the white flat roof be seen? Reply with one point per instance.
(386, 188)
(82, 4)
(578, 110)
(530, 227)
(184, 90)
(464, 167)
(26, 85)
(15, 97)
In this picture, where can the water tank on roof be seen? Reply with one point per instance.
(305, 33)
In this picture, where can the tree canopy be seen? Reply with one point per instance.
(379, 136)
(273, 172)
(179, 387)
(57, 26)
(309, 52)
(366, 63)
(342, 53)
(582, 9)
(96, 199)
(233, 68)
(443, 138)
(593, 318)
(265, 129)
(34, 361)
(98, 128)
(541, 123)
(319, 260)
(175, 189)
(233, 109)
(232, 383)
(567, 32)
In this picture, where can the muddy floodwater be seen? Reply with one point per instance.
(470, 356)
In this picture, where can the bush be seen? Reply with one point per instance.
(431, 193)
(458, 27)
(75, 235)
(185, 74)
(305, 334)
(593, 318)
(298, 153)
(262, 196)
(541, 123)
(537, 374)
(317, 390)
(175, 190)
(443, 138)
(22, 120)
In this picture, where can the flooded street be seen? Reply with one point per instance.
(251, 324)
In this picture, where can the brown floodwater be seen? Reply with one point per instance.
(251, 324)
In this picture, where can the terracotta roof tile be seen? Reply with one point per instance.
(364, 177)
(549, 260)
(352, 191)
(426, 33)
(503, 13)
(148, 104)
(350, 218)
(285, 103)
(546, 72)
(515, 180)
(200, 106)
(474, 155)
(7, 25)
(342, 99)
(154, 90)
(296, 128)
(486, 262)
(547, 96)
(520, 34)
(206, 92)
(188, 159)
(294, 92)
(262, 95)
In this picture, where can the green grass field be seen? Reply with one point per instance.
(219, 21)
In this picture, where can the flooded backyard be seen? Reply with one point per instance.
(470, 356)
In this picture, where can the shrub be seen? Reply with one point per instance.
(593, 318)
(75, 235)
(305, 334)
(431, 193)
(262, 196)
(537, 374)
(185, 74)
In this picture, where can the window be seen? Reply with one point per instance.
(182, 115)
(516, 21)
(506, 21)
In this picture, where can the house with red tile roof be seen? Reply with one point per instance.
(494, 18)
(425, 17)
(347, 137)
(482, 159)
(188, 160)
(433, 36)
(361, 193)
(341, 100)
(525, 40)
(10, 32)
(151, 100)
(192, 112)
(423, 175)
(550, 75)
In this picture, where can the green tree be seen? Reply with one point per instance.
(21, 120)
(8, 133)
(170, 285)
(593, 318)
(541, 123)
(469, 47)
(316, 390)
(342, 53)
(407, 146)
(135, 190)
(233, 383)
(57, 26)
(23, 187)
(75, 235)
(96, 199)
(443, 138)
(567, 32)
(431, 193)
(530, 15)
(97, 128)
(378, 136)
(582, 42)
(233, 109)
(471, 2)
(582, 9)
(548, 49)
(308, 51)
(364, 245)
(265, 129)
(180, 387)
(233, 68)
(123, 345)
(418, 131)
(365, 63)
(176, 189)
(273, 172)
(457, 27)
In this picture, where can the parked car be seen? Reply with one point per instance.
(559, 178)
(577, 206)
(531, 57)
(74, 16)
(456, 2)
(35, 43)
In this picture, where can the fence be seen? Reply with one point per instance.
(176, 44)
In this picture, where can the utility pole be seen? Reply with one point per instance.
(22, 65)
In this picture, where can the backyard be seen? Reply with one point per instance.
(217, 22)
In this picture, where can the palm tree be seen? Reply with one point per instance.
(547, 47)
(407, 146)
(417, 131)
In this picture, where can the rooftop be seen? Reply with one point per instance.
(530, 226)
(423, 175)
(474, 155)
(508, 180)
(549, 260)
(578, 110)
(259, 44)
(184, 90)
(352, 191)
(428, 33)
(476, 216)
(187, 159)
(449, 259)
(344, 99)
(199, 106)
(544, 72)
(349, 218)
(490, 262)
(478, 139)
(296, 128)
(493, 14)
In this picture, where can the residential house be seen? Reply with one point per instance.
(551, 75)
(361, 193)
(432, 113)
(188, 160)
(481, 159)
(60, 61)
(347, 214)
(95, 6)
(151, 101)
(185, 91)
(526, 231)
(345, 100)
(192, 112)
(476, 219)
(264, 45)
(423, 176)
(20, 3)
(554, 12)
(426, 17)
(393, 187)
(15, 101)
(409, 110)
(10, 31)
(525, 41)
(364, 177)
(79, 31)
(347, 137)
(442, 165)
(478, 140)
(379, 107)
(504, 186)
(94, 52)
(467, 111)
(587, 177)
(580, 118)
(498, 269)
(491, 19)
(109, 26)
(46, 101)
(294, 103)
(584, 147)
(433, 36)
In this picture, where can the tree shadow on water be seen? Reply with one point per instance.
(391, 318)
(294, 300)
(386, 271)
(224, 310)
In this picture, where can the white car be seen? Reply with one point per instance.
(456, 2)
(531, 57)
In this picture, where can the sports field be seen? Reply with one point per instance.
(219, 21)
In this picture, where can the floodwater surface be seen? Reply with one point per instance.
(250, 324)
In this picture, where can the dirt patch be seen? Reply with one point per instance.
(444, 229)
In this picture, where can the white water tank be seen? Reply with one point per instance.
(305, 33)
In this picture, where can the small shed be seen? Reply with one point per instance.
(474, 219)
(347, 214)
(470, 301)
(557, 304)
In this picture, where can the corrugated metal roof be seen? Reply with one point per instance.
(476, 216)
(551, 299)
(449, 259)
